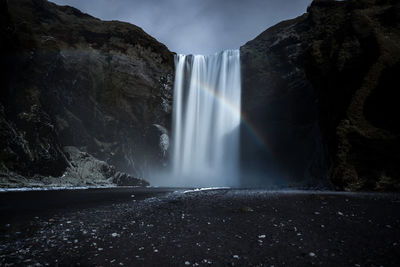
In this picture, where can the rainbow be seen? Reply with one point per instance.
(232, 108)
(262, 139)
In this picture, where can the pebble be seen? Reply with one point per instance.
(312, 254)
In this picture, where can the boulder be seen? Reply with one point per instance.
(124, 179)
(85, 169)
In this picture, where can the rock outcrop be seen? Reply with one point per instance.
(335, 65)
(123, 179)
(69, 79)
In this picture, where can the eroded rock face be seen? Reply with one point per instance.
(335, 65)
(85, 169)
(351, 67)
(73, 80)
(123, 179)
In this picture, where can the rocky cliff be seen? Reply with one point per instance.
(71, 80)
(87, 101)
(323, 86)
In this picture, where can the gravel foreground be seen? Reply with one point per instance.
(222, 227)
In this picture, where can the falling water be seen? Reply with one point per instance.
(206, 119)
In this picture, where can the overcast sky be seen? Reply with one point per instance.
(196, 26)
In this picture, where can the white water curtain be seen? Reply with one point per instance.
(206, 119)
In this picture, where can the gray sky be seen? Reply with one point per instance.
(196, 26)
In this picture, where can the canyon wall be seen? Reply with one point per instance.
(328, 78)
(69, 79)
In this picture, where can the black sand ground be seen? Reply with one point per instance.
(159, 227)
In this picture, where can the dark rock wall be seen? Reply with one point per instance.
(73, 80)
(280, 105)
(28, 139)
(336, 65)
(352, 65)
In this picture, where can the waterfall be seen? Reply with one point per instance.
(206, 119)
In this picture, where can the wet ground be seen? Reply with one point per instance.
(225, 227)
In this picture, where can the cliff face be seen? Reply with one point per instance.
(79, 96)
(279, 103)
(69, 79)
(336, 65)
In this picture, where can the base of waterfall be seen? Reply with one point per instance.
(221, 227)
